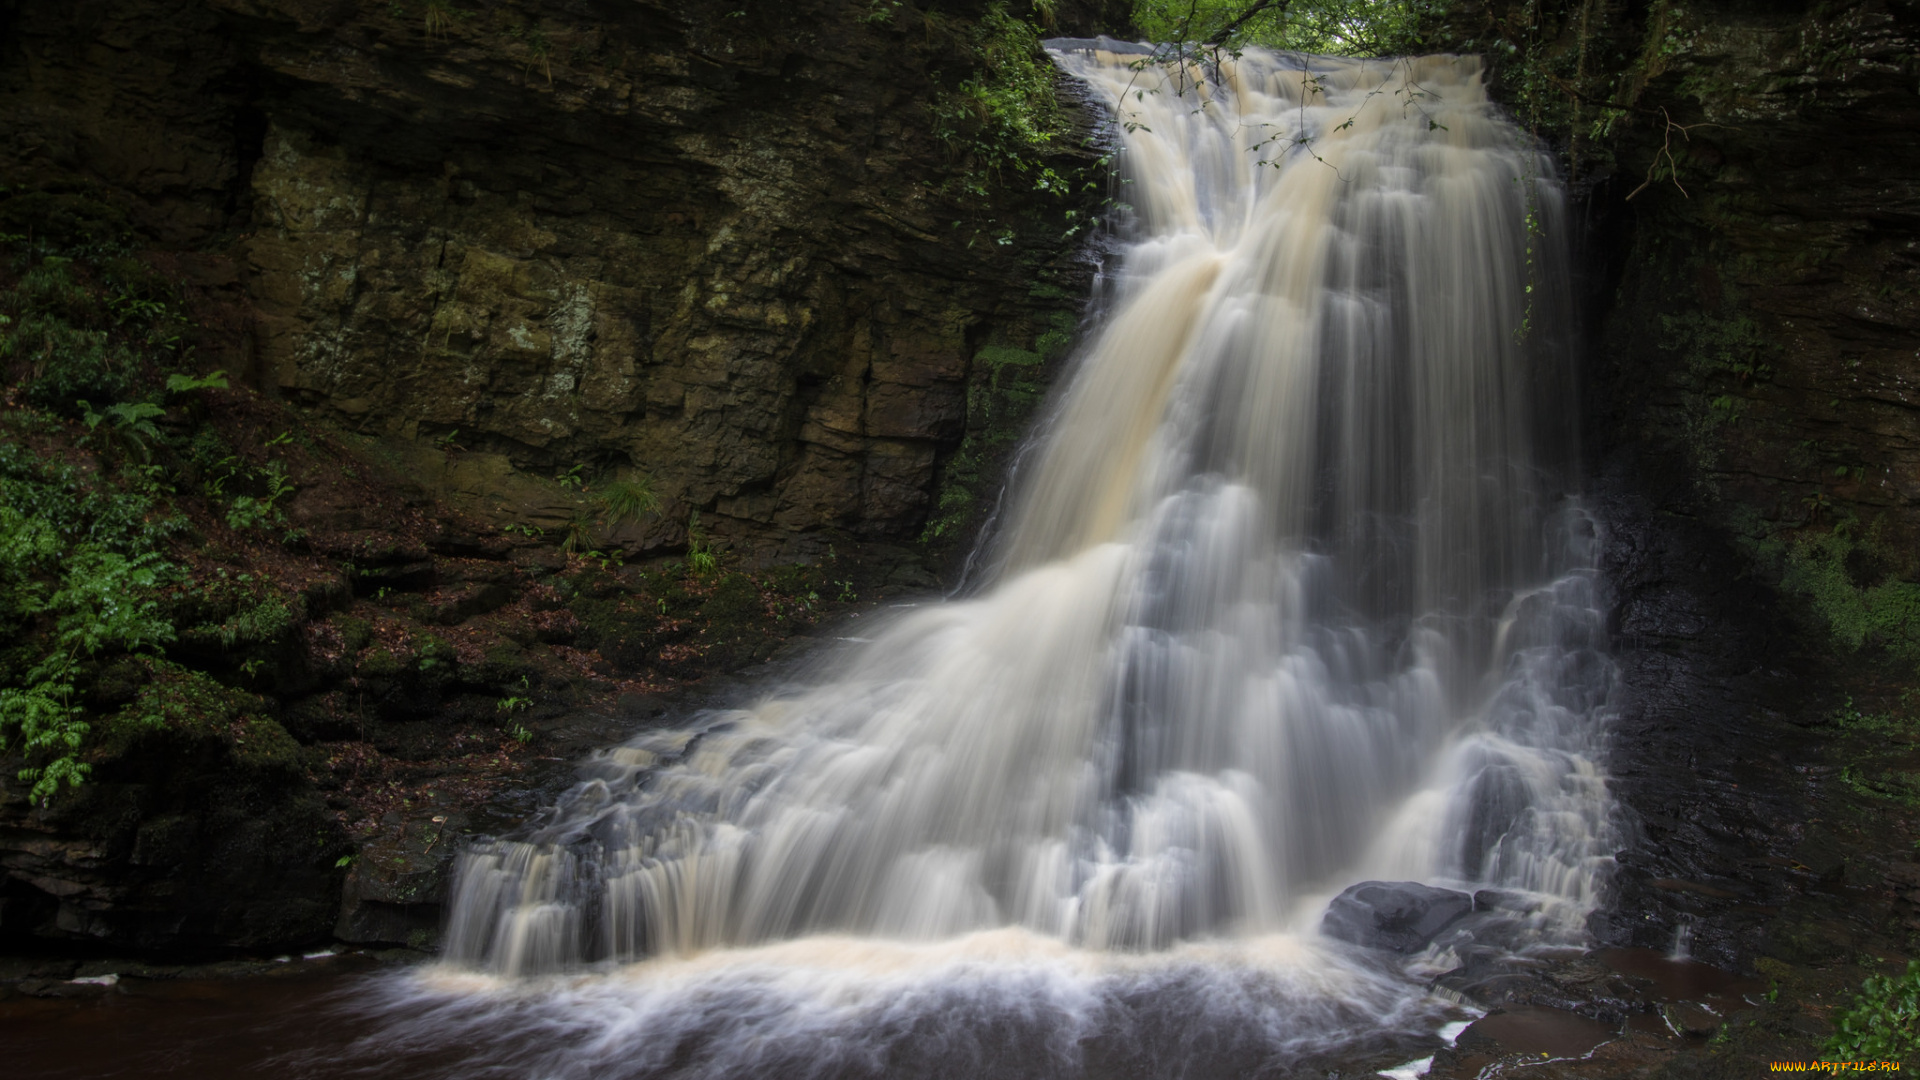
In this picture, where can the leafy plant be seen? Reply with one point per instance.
(182, 384)
(579, 534)
(571, 480)
(1884, 1021)
(627, 500)
(131, 427)
(253, 512)
(700, 558)
(103, 603)
(1008, 113)
(511, 705)
(256, 624)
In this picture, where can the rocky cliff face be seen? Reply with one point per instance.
(749, 251)
(1768, 316)
(1752, 173)
(716, 244)
(1751, 177)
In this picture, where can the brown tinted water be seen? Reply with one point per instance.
(1534, 1029)
(1681, 980)
(290, 1025)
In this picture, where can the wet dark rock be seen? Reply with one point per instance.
(208, 839)
(640, 706)
(402, 577)
(1504, 900)
(1399, 916)
(396, 884)
(463, 604)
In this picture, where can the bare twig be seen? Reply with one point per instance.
(1666, 151)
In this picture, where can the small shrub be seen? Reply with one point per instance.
(104, 603)
(183, 384)
(1884, 1022)
(262, 623)
(1883, 612)
(622, 501)
(131, 429)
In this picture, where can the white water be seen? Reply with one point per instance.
(1294, 595)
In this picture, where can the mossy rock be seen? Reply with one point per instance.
(502, 667)
(735, 602)
(379, 663)
(355, 634)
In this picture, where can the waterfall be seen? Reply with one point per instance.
(1294, 591)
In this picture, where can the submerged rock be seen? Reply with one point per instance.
(1399, 916)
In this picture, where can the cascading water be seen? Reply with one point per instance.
(1293, 595)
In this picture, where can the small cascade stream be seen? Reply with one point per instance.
(1294, 592)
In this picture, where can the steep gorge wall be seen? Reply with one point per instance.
(712, 243)
(1752, 178)
(481, 243)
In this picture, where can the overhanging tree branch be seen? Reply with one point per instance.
(1221, 35)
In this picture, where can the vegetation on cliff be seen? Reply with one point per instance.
(214, 608)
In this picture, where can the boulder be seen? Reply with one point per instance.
(1399, 916)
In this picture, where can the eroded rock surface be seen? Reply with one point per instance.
(721, 248)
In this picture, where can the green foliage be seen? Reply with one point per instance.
(79, 553)
(82, 511)
(1007, 114)
(257, 512)
(627, 500)
(105, 601)
(79, 331)
(1884, 1021)
(701, 560)
(190, 702)
(262, 622)
(131, 429)
(1862, 602)
(98, 601)
(67, 220)
(433, 652)
(182, 384)
(1326, 27)
(67, 363)
(579, 535)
